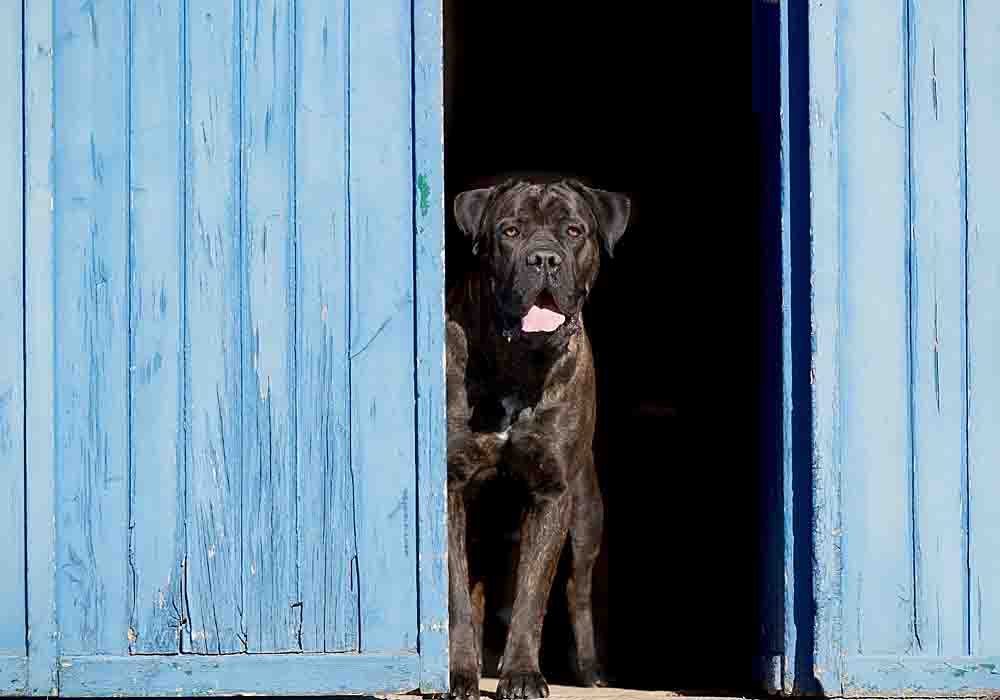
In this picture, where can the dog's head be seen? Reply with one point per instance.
(542, 246)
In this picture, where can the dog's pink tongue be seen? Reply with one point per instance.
(539, 320)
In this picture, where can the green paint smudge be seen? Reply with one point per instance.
(425, 194)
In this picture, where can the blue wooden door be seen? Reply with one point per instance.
(232, 233)
(903, 114)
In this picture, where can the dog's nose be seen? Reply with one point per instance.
(544, 259)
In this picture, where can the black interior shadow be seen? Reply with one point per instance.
(679, 320)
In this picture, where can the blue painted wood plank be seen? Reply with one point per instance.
(874, 370)
(271, 603)
(252, 674)
(327, 535)
(785, 665)
(40, 344)
(983, 160)
(921, 676)
(91, 234)
(12, 632)
(213, 490)
(382, 321)
(156, 462)
(825, 240)
(432, 525)
(937, 287)
(13, 671)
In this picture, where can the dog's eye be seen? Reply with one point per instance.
(574, 231)
(510, 231)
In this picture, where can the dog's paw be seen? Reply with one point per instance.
(590, 675)
(522, 686)
(464, 685)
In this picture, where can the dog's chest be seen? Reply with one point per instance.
(493, 413)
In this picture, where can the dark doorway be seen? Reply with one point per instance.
(683, 321)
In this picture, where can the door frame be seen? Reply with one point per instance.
(50, 673)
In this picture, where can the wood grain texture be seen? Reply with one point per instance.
(827, 337)
(156, 368)
(429, 214)
(40, 344)
(983, 153)
(937, 288)
(271, 602)
(91, 271)
(12, 571)
(922, 676)
(382, 321)
(257, 674)
(214, 485)
(327, 535)
(874, 381)
(13, 674)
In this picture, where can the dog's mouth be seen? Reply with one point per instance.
(544, 316)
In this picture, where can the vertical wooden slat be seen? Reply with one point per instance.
(937, 156)
(382, 322)
(983, 160)
(212, 308)
(40, 343)
(328, 546)
(271, 606)
(875, 397)
(432, 526)
(826, 232)
(156, 462)
(91, 232)
(12, 571)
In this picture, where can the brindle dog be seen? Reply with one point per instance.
(522, 404)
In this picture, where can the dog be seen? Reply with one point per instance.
(521, 397)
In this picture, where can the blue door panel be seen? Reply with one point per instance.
(225, 266)
(902, 112)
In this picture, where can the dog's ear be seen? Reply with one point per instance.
(611, 209)
(469, 209)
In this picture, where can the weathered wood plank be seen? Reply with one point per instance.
(13, 675)
(874, 370)
(922, 676)
(256, 674)
(983, 158)
(432, 526)
(40, 343)
(327, 540)
(156, 462)
(825, 240)
(12, 578)
(271, 603)
(91, 249)
(212, 309)
(937, 284)
(382, 321)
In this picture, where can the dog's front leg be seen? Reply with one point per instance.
(462, 646)
(543, 533)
